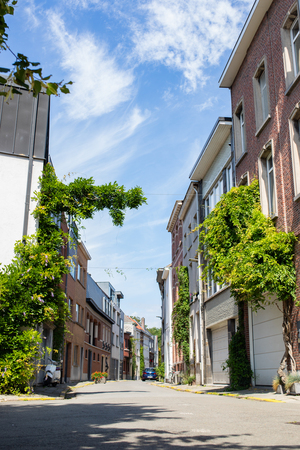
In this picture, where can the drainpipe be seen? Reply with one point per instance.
(200, 298)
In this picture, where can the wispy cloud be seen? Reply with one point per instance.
(98, 147)
(100, 85)
(189, 36)
(209, 103)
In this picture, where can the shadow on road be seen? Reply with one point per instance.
(65, 425)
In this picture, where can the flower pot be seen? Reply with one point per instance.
(279, 389)
(295, 389)
(103, 380)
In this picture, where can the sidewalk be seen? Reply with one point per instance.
(60, 391)
(263, 394)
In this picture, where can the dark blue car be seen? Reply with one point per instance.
(149, 374)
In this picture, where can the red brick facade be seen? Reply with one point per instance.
(267, 46)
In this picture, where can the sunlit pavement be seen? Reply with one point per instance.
(133, 415)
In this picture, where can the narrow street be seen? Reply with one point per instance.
(136, 415)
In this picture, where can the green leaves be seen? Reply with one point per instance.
(243, 248)
(181, 313)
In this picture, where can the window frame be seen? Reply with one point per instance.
(294, 129)
(291, 77)
(261, 96)
(264, 181)
(240, 135)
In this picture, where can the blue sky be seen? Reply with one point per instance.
(144, 100)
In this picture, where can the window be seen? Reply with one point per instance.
(87, 325)
(290, 38)
(239, 131)
(73, 269)
(78, 272)
(295, 40)
(117, 341)
(112, 338)
(295, 148)
(267, 182)
(229, 177)
(210, 202)
(77, 312)
(261, 96)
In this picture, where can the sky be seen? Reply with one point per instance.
(144, 100)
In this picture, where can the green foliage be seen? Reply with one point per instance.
(142, 361)
(24, 73)
(133, 355)
(181, 313)
(243, 248)
(161, 371)
(136, 318)
(191, 379)
(156, 332)
(293, 377)
(30, 292)
(238, 364)
(17, 365)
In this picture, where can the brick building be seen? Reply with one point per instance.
(74, 285)
(263, 76)
(98, 331)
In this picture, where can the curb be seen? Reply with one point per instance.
(221, 394)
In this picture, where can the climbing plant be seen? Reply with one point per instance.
(30, 292)
(142, 361)
(133, 356)
(181, 313)
(243, 248)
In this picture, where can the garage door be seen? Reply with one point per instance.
(220, 353)
(268, 347)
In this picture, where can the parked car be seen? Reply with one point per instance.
(149, 374)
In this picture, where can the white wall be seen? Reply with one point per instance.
(168, 350)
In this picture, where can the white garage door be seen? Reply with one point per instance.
(268, 347)
(220, 353)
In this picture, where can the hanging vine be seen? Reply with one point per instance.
(30, 292)
(243, 248)
(181, 313)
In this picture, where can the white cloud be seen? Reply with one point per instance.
(209, 103)
(97, 149)
(189, 36)
(100, 85)
(32, 13)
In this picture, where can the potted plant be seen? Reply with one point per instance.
(104, 376)
(292, 384)
(96, 377)
(277, 385)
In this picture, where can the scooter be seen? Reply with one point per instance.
(52, 375)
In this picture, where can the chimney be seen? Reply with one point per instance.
(143, 322)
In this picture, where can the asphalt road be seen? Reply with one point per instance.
(136, 415)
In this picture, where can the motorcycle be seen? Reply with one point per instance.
(52, 375)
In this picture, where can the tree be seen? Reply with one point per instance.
(25, 73)
(243, 248)
(136, 318)
(181, 313)
(142, 361)
(156, 332)
(29, 287)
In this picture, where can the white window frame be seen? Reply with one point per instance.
(294, 125)
(267, 178)
(239, 127)
(293, 42)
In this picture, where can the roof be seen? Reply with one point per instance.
(189, 196)
(245, 38)
(96, 308)
(174, 215)
(212, 146)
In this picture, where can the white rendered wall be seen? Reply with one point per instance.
(13, 183)
(168, 350)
